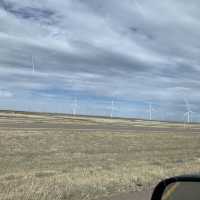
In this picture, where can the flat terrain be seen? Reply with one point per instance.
(61, 157)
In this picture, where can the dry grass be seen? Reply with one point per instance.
(51, 164)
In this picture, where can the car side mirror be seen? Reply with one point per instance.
(178, 188)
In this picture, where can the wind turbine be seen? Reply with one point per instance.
(33, 65)
(75, 105)
(150, 111)
(112, 109)
(189, 112)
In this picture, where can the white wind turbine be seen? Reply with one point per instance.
(33, 65)
(150, 110)
(112, 109)
(189, 112)
(75, 106)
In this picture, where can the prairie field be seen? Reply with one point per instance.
(50, 157)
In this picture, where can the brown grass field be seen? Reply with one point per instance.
(45, 157)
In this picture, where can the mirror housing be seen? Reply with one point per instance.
(160, 190)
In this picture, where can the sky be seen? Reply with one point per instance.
(132, 52)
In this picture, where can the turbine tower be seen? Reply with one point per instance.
(112, 109)
(75, 105)
(33, 65)
(150, 111)
(189, 112)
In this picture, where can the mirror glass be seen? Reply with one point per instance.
(182, 191)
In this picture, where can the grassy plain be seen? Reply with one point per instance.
(46, 157)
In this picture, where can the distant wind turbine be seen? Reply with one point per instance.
(150, 111)
(33, 65)
(112, 109)
(75, 105)
(189, 112)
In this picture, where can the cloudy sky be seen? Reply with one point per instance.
(133, 52)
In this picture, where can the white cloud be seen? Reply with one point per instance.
(6, 94)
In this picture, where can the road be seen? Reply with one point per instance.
(143, 195)
(178, 191)
(98, 127)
